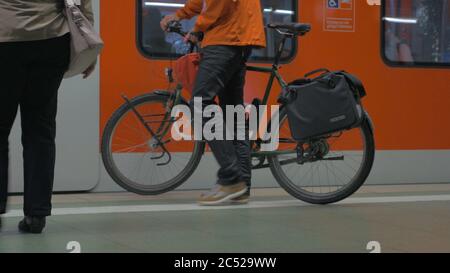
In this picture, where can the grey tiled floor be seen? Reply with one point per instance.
(399, 227)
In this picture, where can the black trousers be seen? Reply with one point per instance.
(222, 74)
(30, 76)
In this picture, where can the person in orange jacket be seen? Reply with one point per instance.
(232, 28)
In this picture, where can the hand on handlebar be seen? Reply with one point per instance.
(174, 26)
(167, 19)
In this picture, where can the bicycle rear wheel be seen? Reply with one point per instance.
(133, 157)
(340, 166)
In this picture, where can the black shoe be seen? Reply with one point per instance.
(34, 225)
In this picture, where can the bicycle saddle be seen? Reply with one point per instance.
(294, 28)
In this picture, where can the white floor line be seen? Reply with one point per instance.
(252, 205)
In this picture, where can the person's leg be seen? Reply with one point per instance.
(234, 95)
(216, 69)
(38, 112)
(12, 75)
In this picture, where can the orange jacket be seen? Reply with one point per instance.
(227, 22)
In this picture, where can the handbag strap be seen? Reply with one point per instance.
(320, 70)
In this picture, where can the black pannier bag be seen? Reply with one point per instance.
(324, 105)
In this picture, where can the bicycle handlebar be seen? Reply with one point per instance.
(176, 27)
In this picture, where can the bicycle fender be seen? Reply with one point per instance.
(371, 125)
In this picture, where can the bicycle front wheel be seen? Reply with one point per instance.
(143, 163)
(333, 169)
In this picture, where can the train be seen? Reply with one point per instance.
(399, 48)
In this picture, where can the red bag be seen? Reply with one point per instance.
(186, 69)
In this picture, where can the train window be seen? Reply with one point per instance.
(416, 32)
(154, 43)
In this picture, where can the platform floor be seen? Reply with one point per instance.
(413, 218)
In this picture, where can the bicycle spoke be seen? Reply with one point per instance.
(131, 149)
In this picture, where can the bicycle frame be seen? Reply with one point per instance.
(273, 71)
(274, 75)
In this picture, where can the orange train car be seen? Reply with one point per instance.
(399, 48)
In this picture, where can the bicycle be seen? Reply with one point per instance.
(315, 171)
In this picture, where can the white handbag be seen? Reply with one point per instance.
(86, 43)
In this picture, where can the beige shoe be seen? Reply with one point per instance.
(241, 200)
(222, 194)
